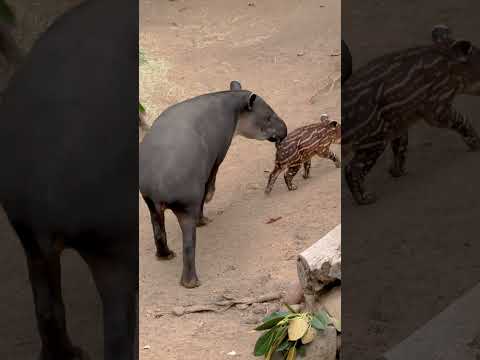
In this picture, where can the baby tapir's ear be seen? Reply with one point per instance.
(235, 85)
(441, 34)
(333, 124)
(251, 100)
(462, 50)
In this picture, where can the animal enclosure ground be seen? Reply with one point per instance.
(288, 53)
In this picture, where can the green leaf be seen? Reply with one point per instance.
(271, 320)
(292, 353)
(290, 308)
(141, 58)
(301, 351)
(6, 13)
(323, 317)
(264, 342)
(141, 108)
(284, 345)
(317, 324)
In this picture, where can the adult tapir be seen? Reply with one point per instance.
(180, 157)
(69, 159)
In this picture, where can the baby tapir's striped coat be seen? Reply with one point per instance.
(300, 146)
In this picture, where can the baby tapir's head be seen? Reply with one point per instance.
(334, 129)
(464, 59)
(258, 120)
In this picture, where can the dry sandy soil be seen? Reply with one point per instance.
(286, 51)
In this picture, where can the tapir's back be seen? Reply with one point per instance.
(67, 146)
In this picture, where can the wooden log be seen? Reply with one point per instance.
(320, 264)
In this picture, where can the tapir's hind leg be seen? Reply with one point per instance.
(157, 217)
(188, 223)
(209, 192)
(43, 260)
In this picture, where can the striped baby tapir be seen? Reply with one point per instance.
(383, 98)
(300, 146)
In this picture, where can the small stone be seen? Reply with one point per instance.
(259, 309)
(252, 319)
(273, 308)
(178, 310)
(147, 347)
(228, 296)
(241, 306)
(300, 53)
(232, 353)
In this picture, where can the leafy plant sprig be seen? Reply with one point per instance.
(289, 331)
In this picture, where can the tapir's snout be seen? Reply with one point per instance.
(279, 131)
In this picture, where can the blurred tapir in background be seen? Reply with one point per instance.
(69, 168)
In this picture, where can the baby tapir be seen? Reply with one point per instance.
(181, 154)
(300, 146)
(382, 99)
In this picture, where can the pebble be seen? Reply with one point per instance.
(178, 310)
(259, 309)
(242, 306)
(252, 320)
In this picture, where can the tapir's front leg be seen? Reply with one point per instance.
(187, 219)
(452, 119)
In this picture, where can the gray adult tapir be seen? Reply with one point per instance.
(68, 162)
(180, 157)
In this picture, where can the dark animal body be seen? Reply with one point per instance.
(181, 154)
(300, 146)
(67, 162)
(347, 62)
(382, 99)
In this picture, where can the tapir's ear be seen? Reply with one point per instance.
(235, 85)
(333, 124)
(251, 100)
(441, 34)
(462, 50)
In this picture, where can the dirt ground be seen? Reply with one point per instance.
(287, 52)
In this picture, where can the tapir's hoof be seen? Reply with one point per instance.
(366, 199)
(474, 148)
(396, 172)
(167, 256)
(203, 221)
(74, 354)
(268, 191)
(190, 283)
(306, 176)
(292, 187)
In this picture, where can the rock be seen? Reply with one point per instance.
(242, 306)
(331, 302)
(259, 309)
(324, 346)
(273, 308)
(320, 264)
(294, 294)
(253, 319)
(178, 310)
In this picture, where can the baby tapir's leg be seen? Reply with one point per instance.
(450, 118)
(290, 174)
(358, 168)
(273, 177)
(399, 149)
(306, 168)
(331, 156)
